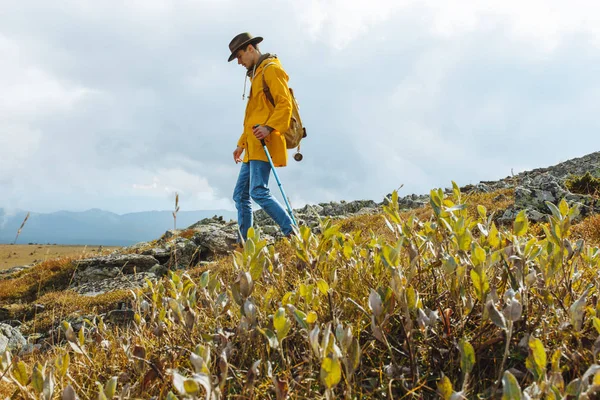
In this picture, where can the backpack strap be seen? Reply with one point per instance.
(266, 89)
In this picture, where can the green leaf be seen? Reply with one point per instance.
(323, 286)
(110, 387)
(19, 372)
(555, 210)
(204, 279)
(37, 378)
(510, 387)
(467, 356)
(101, 395)
(279, 319)
(444, 388)
(521, 224)
(496, 316)
(354, 354)
(271, 337)
(171, 396)
(62, 365)
(536, 361)
(577, 310)
(331, 371)
(300, 318)
(574, 387)
(480, 283)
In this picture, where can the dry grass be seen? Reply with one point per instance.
(496, 201)
(589, 230)
(59, 305)
(50, 275)
(26, 254)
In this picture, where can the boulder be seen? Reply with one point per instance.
(99, 268)
(11, 338)
(213, 236)
(101, 286)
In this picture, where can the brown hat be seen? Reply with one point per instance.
(241, 40)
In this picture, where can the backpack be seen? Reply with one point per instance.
(296, 132)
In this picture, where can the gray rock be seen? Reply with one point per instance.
(132, 281)
(183, 253)
(214, 236)
(11, 338)
(10, 273)
(99, 268)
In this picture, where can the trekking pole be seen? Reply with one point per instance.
(262, 141)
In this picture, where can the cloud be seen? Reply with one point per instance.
(119, 106)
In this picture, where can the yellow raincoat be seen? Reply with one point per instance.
(259, 110)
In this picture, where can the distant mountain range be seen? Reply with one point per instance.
(97, 227)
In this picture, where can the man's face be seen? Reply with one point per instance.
(244, 57)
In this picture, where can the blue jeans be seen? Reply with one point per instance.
(253, 183)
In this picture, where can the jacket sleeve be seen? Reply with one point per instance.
(242, 140)
(276, 79)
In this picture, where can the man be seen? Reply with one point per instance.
(262, 121)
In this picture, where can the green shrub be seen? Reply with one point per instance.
(583, 184)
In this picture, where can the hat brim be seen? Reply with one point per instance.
(254, 40)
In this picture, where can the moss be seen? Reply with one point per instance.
(583, 184)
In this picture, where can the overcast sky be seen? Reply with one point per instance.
(120, 104)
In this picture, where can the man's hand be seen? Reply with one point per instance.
(237, 154)
(260, 131)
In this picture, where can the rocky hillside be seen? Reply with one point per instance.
(211, 237)
(207, 240)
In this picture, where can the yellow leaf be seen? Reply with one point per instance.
(444, 388)
(81, 336)
(288, 298)
(331, 371)
(596, 379)
(37, 378)
(191, 386)
(482, 212)
(536, 361)
(563, 207)
(311, 318)
(323, 286)
(467, 356)
(411, 298)
(596, 322)
(493, 237)
(303, 290)
(478, 255)
(521, 224)
(555, 360)
(279, 319)
(480, 283)
(19, 372)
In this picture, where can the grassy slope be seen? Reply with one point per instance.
(351, 264)
(25, 254)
